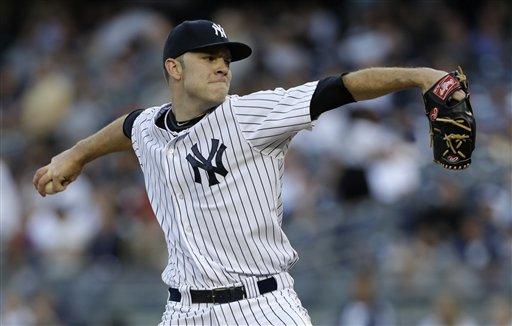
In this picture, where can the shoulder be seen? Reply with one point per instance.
(153, 112)
(142, 119)
(156, 111)
(277, 91)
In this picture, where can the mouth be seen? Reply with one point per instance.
(224, 81)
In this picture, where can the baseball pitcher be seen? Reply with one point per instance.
(213, 165)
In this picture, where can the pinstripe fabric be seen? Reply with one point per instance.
(223, 227)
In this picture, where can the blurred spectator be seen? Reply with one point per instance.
(447, 312)
(14, 311)
(114, 37)
(10, 207)
(46, 104)
(299, 191)
(106, 245)
(500, 311)
(44, 310)
(61, 228)
(59, 238)
(353, 185)
(476, 243)
(395, 174)
(366, 307)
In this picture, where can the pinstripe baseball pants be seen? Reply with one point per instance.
(280, 307)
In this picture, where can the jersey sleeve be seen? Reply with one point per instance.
(128, 122)
(140, 127)
(268, 120)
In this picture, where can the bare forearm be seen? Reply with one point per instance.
(67, 166)
(108, 140)
(374, 82)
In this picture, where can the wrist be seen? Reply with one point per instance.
(426, 77)
(80, 153)
(420, 77)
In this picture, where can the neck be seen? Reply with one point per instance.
(185, 109)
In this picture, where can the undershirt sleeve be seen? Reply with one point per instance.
(128, 122)
(330, 93)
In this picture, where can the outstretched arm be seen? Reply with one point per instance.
(67, 166)
(370, 83)
(452, 125)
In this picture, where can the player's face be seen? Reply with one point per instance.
(206, 74)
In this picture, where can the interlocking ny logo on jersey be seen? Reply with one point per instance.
(199, 162)
(218, 29)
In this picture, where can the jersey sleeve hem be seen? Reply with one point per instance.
(129, 122)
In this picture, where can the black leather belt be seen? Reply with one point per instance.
(224, 295)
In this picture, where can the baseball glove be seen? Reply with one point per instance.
(452, 124)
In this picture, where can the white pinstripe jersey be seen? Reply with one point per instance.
(215, 187)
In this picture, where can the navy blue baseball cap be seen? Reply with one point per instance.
(192, 35)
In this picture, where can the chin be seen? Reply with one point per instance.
(218, 101)
(219, 97)
(216, 95)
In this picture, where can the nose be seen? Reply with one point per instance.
(222, 67)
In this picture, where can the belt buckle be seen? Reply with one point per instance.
(225, 294)
(219, 296)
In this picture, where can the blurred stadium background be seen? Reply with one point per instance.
(383, 233)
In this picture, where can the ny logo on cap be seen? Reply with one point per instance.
(200, 162)
(218, 29)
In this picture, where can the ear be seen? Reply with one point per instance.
(174, 68)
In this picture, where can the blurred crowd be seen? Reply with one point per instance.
(385, 236)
